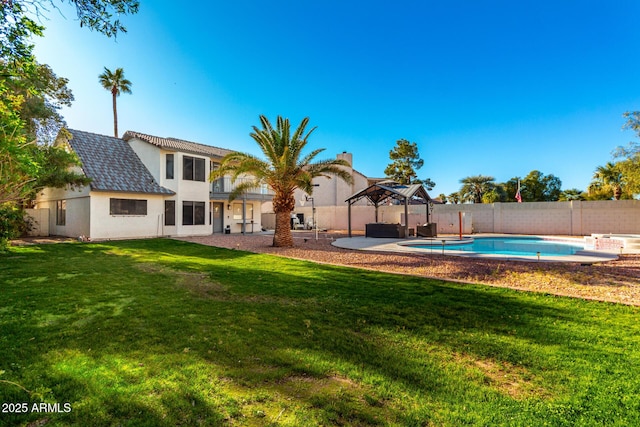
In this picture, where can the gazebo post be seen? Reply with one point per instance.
(427, 211)
(349, 220)
(406, 217)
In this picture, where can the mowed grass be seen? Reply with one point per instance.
(166, 333)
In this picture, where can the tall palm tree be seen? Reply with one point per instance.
(609, 176)
(284, 169)
(115, 83)
(474, 187)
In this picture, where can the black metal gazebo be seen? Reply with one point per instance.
(380, 193)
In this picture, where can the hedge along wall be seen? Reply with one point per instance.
(575, 218)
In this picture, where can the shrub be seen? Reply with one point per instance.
(12, 224)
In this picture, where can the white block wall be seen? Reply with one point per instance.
(578, 218)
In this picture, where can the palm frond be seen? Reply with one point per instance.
(329, 168)
(309, 157)
(237, 164)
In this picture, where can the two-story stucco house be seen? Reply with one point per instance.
(148, 186)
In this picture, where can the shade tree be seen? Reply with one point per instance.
(31, 95)
(405, 161)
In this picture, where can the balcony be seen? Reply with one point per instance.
(222, 187)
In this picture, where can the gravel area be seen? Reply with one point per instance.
(613, 281)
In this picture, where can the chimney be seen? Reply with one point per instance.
(346, 156)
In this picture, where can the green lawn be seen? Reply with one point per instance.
(165, 333)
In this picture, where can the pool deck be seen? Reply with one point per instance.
(405, 246)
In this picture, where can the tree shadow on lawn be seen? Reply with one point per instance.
(229, 314)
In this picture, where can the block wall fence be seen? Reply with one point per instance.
(576, 218)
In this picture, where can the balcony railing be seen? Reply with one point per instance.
(225, 186)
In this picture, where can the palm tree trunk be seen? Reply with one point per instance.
(617, 192)
(115, 115)
(282, 238)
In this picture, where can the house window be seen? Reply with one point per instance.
(127, 207)
(193, 168)
(169, 212)
(169, 166)
(193, 213)
(237, 211)
(61, 212)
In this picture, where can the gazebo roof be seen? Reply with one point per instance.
(381, 191)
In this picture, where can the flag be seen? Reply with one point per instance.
(518, 196)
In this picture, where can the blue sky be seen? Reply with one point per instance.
(495, 88)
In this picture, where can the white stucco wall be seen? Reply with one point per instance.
(107, 226)
(578, 218)
(151, 157)
(330, 191)
(154, 158)
(77, 210)
(39, 221)
(190, 191)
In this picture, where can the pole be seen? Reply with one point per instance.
(406, 217)
(349, 215)
(244, 215)
(427, 209)
(460, 222)
(313, 216)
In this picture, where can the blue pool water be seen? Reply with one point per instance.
(523, 246)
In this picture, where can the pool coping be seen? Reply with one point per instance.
(404, 246)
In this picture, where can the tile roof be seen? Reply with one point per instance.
(112, 164)
(381, 191)
(175, 144)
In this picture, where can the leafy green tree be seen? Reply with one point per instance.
(633, 121)
(474, 187)
(12, 224)
(405, 161)
(629, 163)
(630, 168)
(538, 187)
(17, 168)
(29, 166)
(443, 198)
(284, 170)
(495, 195)
(17, 28)
(55, 168)
(491, 196)
(43, 94)
(30, 95)
(596, 191)
(115, 83)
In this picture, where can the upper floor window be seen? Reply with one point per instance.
(193, 168)
(169, 166)
(127, 207)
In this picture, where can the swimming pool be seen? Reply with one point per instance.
(516, 246)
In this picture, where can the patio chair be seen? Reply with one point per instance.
(296, 224)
